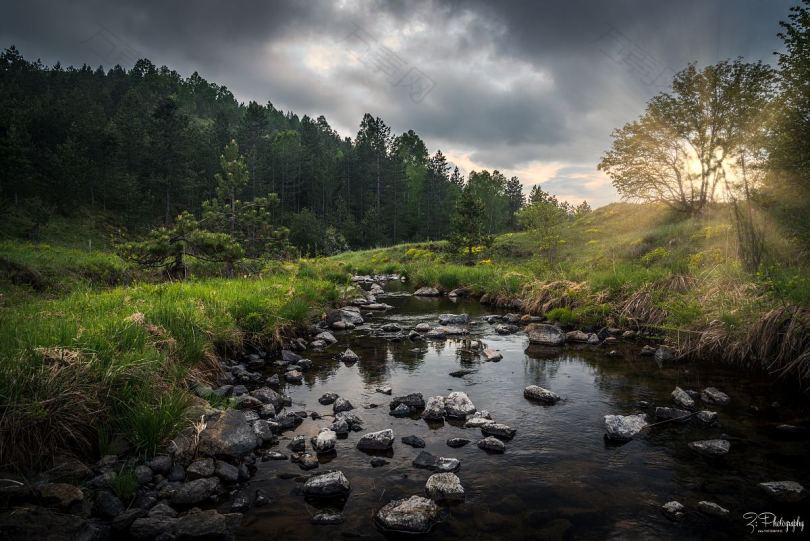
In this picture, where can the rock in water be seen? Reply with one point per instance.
(713, 509)
(545, 334)
(444, 464)
(491, 355)
(576, 336)
(349, 356)
(498, 430)
(708, 417)
(665, 414)
(444, 487)
(427, 292)
(711, 395)
(327, 517)
(434, 410)
(682, 398)
(376, 441)
(492, 444)
(621, 428)
(385, 389)
(414, 402)
(710, 447)
(455, 443)
(328, 398)
(664, 354)
(784, 491)
(424, 460)
(325, 441)
(454, 319)
(414, 441)
(195, 492)
(415, 515)
(341, 404)
(673, 510)
(230, 436)
(458, 405)
(208, 524)
(539, 394)
(330, 484)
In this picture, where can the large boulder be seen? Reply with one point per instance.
(458, 405)
(434, 410)
(414, 515)
(228, 436)
(330, 484)
(376, 441)
(545, 335)
(620, 428)
(539, 394)
(444, 487)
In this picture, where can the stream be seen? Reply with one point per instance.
(559, 478)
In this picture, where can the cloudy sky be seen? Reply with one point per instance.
(531, 88)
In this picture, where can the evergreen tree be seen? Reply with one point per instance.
(469, 229)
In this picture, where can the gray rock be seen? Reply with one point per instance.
(422, 327)
(325, 441)
(378, 462)
(712, 395)
(341, 404)
(673, 510)
(148, 528)
(713, 509)
(107, 504)
(199, 525)
(647, 351)
(240, 502)
(498, 430)
(260, 498)
(298, 443)
(454, 319)
(445, 464)
(230, 435)
(123, 521)
(390, 327)
(200, 468)
(143, 474)
(330, 484)
(385, 389)
(161, 464)
(455, 443)
(593, 339)
(621, 428)
(545, 334)
(427, 292)
(491, 355)
(710, 447)
(63, 495)
(506, 328)
(376, 441)
(177, 473)
(539, 394)
(328, 398)
(401, 411)
(195, 492)
(434, 410)
(294, 376)
(461, 373)
(264, 431)
(414, 441)
(424, 460)
(478, 420)
(305, 461)
(576, 336)
(682, 398)
(327, 337)
(666, 414)
(349, 356)
(458, 405)
(415, 515)
(413, 401)
(444, 487)
(162, 509)
(227, 473)
(492, 444)
(784, 491)
(708, 417)
(351, 419)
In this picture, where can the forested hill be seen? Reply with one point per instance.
(145, 144)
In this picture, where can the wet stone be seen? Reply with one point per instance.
(413, 441)
(414, 515)
(498, 430)
(539, 394)
(376, 441)
(328, 398)
(444, 487)
(330, 484)
(682, 398)
(784, 491)
(711, 447)
(712, 509)
(712, 395)
(673, 510)
(455, 443)
(621, 428)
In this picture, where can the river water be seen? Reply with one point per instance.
(558, 478)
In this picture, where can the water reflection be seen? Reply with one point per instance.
(557, 479)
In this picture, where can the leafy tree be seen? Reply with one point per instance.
(545, 218)
(679, 150)
(469, 229)
(168, 247)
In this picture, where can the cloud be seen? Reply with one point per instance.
(531, 88)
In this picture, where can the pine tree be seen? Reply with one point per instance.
(468, 223)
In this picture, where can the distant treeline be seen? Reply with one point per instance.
(145, 144)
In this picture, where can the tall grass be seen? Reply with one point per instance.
(122, 360)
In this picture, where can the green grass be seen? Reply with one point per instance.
(91, 366)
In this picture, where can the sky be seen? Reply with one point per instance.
(531, 88)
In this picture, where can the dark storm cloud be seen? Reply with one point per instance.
(514, 85)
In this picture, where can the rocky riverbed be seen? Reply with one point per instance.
(441, 416)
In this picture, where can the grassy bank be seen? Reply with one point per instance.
(80, 372)
(636, 267)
